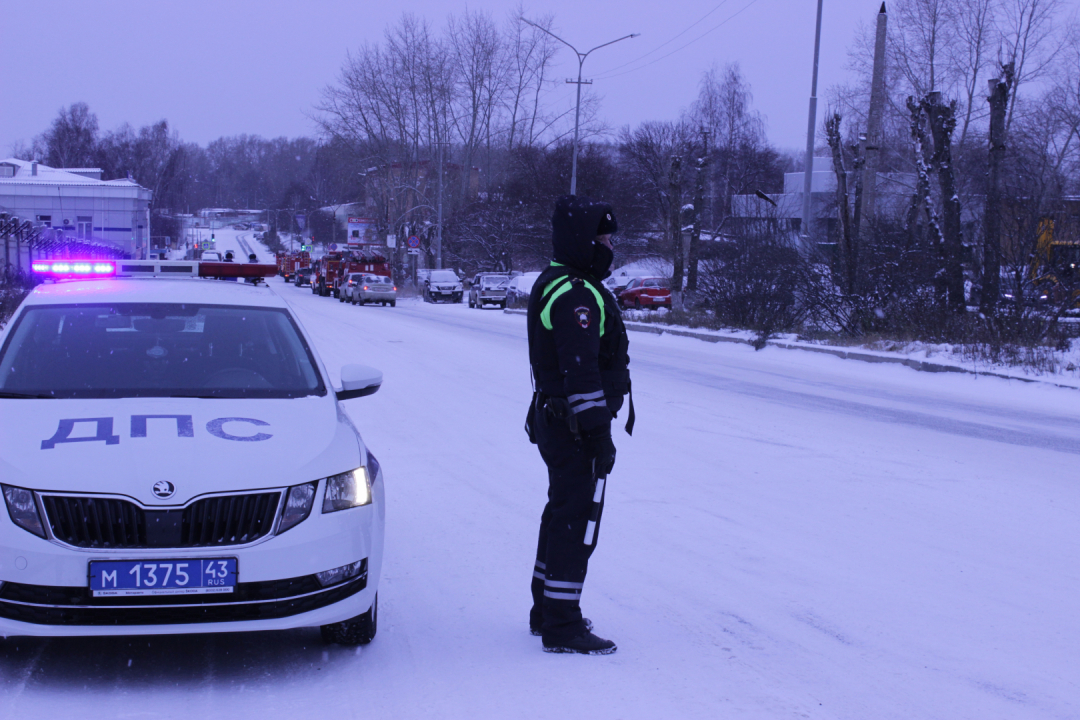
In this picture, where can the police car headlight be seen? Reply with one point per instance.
(23, 509)
(297, 505)
(347, 490)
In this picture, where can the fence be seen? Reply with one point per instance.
(21, 242)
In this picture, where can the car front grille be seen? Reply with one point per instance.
(107, 523)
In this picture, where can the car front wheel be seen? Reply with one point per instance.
(360, 630)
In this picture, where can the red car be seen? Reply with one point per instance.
(650, 292)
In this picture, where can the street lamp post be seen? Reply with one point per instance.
(579, 82)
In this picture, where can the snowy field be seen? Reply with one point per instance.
(787, 535)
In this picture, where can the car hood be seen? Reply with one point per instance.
(125, 446)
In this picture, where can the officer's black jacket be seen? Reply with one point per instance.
(577, 340)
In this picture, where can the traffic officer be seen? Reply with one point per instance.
(577, 349)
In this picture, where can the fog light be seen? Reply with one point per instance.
(339, 574)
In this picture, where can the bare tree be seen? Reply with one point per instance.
(847, 254)
(974, 28)
(1031, 39)
(71, 140)
(724, 107)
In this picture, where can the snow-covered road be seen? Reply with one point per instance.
(787, 535)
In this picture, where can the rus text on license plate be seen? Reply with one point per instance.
(162, 577)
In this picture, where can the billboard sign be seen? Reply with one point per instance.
(362, 231)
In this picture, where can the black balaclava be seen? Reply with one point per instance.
(575, 224)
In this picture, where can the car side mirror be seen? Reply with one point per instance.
(358, 381)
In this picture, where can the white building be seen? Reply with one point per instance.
(894, 191)
(77, 202)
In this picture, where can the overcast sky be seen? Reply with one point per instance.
(226, 67)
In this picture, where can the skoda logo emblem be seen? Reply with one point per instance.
(164, 489)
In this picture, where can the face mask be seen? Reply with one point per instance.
(600, 267)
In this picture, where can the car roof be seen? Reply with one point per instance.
(203, 291)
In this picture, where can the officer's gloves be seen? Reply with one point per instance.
(598, 445)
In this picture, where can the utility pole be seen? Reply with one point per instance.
(438, 229)
(675, 193)
(807, 217)
(579, 82)
(699, 210)
(1000, 89)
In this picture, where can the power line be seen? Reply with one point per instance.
(683, 47)
(668, 42)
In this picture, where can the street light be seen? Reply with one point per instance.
(579, 82)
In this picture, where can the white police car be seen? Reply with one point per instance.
(173, 459)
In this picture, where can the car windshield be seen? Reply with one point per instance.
(494, 281)
(156, 350)
(443, 276)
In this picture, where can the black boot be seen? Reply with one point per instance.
(586, 644)
(536, 622)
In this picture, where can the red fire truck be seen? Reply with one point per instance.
(333, 269)
(289, 263)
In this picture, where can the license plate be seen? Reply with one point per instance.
(115, 578)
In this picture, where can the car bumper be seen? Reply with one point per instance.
(45, 585)
(376, 297)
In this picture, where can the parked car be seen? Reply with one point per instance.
(617, 283)
(211, 256)
(303, 277)
(488, 289)
(442, 285)
(363, 288)
(519, 288)
(649, 292)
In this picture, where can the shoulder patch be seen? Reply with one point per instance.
(583, 315)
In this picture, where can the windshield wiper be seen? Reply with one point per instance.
(25, 396)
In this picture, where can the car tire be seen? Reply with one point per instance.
(393, 303)
(471, 303)
(360, 630)
(637, 303)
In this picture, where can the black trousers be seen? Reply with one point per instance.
(562, 557)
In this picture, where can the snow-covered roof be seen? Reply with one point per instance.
(24, 175)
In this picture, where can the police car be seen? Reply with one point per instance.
(175, 459)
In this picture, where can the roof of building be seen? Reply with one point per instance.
(24, 175)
